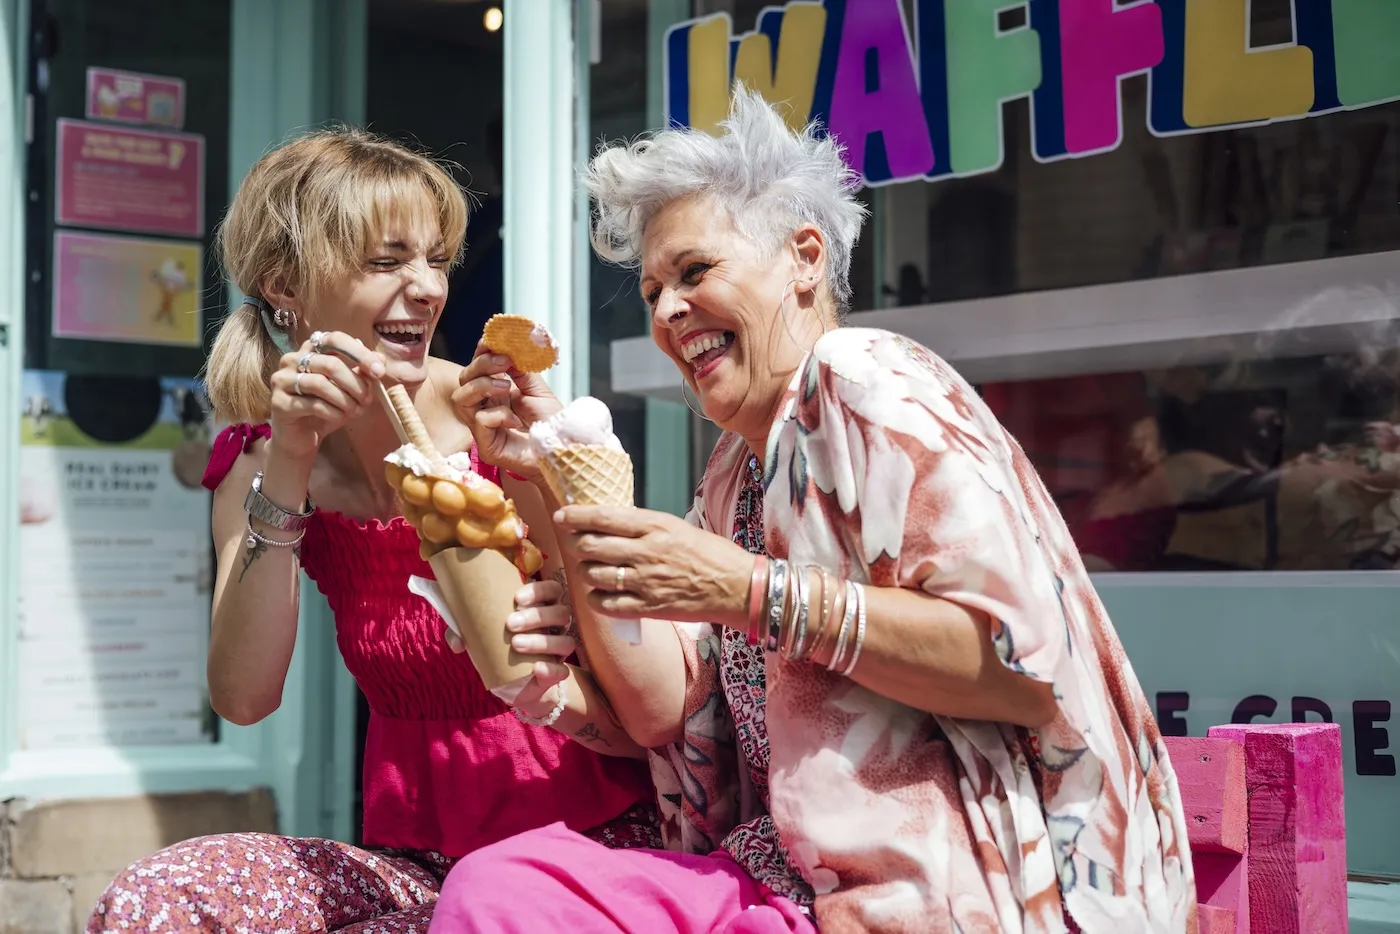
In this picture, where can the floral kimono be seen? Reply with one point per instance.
(886, 468)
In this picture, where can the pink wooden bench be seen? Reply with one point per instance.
(1266, 826)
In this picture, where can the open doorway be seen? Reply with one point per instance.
(434, 81)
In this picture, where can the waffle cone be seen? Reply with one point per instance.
(479, 585)
(589, 475)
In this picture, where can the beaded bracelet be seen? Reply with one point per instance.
(254, 537)
(550, 718)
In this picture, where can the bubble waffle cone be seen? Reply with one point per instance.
(475, 543)
(589, 474)
(516, 337)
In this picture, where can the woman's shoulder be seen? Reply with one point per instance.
(236, 449)
(869, 356)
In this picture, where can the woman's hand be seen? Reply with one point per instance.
(499, 403)
(636, 562)
(315, 392)
(539, 622)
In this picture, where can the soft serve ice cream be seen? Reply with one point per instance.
(585, 421)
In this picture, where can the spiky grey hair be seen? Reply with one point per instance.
(770, 180)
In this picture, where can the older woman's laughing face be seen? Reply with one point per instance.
(736, 319)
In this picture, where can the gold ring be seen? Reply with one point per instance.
(621, 579)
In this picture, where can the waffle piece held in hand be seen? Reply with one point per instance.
(529, 345)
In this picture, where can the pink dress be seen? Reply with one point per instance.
(448, 769)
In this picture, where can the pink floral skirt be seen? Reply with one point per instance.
(249, 883)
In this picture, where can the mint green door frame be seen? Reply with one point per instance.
(295, 63)
(669, 484)
(13, 28)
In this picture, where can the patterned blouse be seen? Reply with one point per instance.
(884, 467)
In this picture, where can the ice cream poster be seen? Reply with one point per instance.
(116, 562)
(136, 181)
(126, 97)
(134, 289)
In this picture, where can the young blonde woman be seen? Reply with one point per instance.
(342, 242)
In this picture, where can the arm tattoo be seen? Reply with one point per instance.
(589, 733)
(249, 556)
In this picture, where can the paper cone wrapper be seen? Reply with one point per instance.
(594, 475)
(479, 586)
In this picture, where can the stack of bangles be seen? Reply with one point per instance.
(794, 610)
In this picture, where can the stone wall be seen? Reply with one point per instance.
(57, 857)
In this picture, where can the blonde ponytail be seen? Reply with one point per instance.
(241, 363)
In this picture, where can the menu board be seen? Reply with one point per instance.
(116, 565)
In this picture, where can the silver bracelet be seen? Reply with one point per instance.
(550, 718)
(804, 608)
(844, 632)
(860, 630)
(259, 507)
(255, 537)
(777, 598)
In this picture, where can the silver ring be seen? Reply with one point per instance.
(621, 579)
(296, 384)
(317, 339)
(304, 364)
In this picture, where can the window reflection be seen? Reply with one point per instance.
(1290, 464)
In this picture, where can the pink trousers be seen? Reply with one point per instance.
(553, 879)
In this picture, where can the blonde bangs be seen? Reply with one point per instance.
(424, 201)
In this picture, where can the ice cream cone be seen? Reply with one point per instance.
(589, 474)
(593, 475)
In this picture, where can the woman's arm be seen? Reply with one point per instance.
(589, 720)
(919, 650)
(254, 622)
(645, 684)
(934, 655)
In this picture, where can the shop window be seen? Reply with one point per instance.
(1180, 322)
(123, 279)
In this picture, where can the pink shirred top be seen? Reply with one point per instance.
(447, 767)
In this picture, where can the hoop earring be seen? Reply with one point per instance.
(697, 410)
(782, 313)
(279, 333)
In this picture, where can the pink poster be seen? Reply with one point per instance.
(124, 97)
(134, 289)
(137, 180)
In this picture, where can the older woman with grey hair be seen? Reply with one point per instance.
(879, 689)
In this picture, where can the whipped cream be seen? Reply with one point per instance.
(459, 465)
(584, 421)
